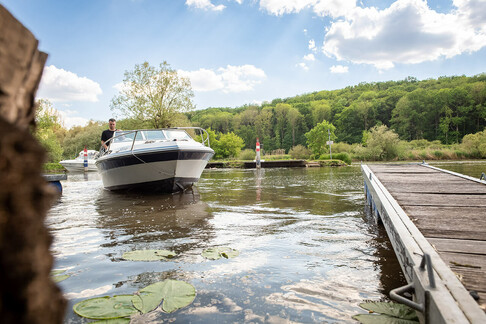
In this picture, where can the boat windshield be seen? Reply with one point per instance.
(123, 136)
(178, 135)
(151, 135)
(91, 155)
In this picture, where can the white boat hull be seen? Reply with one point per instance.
(76, 166)
(155, 171)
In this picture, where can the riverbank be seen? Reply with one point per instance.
(274, 164)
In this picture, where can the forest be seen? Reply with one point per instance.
(438, 111)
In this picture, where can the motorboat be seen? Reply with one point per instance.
(165, 160)
(77, 164)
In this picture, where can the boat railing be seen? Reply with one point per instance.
(202, 132)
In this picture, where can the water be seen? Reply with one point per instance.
(309, 252)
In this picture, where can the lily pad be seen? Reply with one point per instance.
(57, 272)
(106, 307)
(392, 309)
(148, 255)
(216, 253)
(381, 319)
(176, 294)
(60, 278)
(123, 320)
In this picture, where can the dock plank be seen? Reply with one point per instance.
(459, 246)
(443, 199)
(425, 187)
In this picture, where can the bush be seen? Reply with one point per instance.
(338, 156)
(248, 155)
(276, 157)
(277, 152)
(438, 154)
(382, 143)
(299, 152)
(343, 147)
(227, 145)
(53, 167)
(475, 144)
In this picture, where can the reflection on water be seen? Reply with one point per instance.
(309, 252)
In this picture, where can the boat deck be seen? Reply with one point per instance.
(449, 210)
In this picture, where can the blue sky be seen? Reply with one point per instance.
(238, 52)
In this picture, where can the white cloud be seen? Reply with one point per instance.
(407, 32)
(280, 7)
(205, 5)
(333, 8)
(228, 79)
(303, 66)
(338, 69)
(59, 85)
(312, 45)
(309, 57)
(70, 119)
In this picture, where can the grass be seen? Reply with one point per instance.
(53, 168)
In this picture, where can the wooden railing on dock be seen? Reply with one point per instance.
(439, 216)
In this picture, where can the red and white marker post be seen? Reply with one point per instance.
(85, 159)
(257, 159)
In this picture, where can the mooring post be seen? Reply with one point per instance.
(257, 159)
(85, 159)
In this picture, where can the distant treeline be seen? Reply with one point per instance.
(442, 109)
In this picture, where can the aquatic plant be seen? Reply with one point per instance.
(219, 252)
(175, 294)
(148, 255)
(386, 313)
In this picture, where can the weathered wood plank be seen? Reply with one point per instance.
(426, 187)
(471, 269)
(437, 178)
(459, 246)
(446, 200)
(400, 168)
(448, 222)
(482, 301)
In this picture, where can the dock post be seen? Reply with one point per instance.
(257, 159)
(85, 159)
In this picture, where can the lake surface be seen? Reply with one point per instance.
(309, 251)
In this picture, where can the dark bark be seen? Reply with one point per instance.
(28, 294)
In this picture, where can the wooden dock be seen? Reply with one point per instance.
(436, 222)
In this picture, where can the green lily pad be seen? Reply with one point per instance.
(57, 272)
(381, 319)
(60, 278)
(148, 255)
(392, 309)
(176, 294)
(106, 307)
(220, 252)
(122, 320)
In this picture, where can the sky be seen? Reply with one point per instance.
(238, 52)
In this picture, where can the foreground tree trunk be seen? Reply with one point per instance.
(28, 295)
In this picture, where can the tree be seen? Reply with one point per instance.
(49, 129)
(475, 143)
(382, 143)
(294, 117)
(78, 137)
(153, 95)
(228, 145)
(318, 136)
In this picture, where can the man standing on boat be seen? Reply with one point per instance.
(107, 134)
